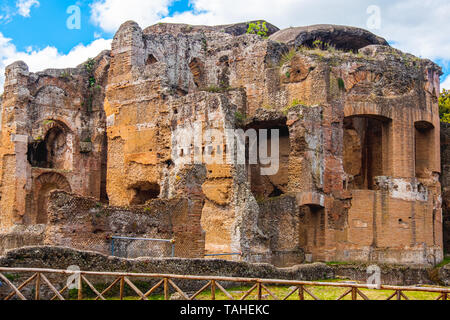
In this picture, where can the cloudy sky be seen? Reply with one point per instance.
(64, 33)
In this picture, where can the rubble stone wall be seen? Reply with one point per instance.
(85, 224)
(360, 166)
(445, 180)
(52, 137)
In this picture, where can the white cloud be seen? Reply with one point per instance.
(6, 14)
(446, 83)
(24, 7)
(110, 14)
(417, 26)
(49, 57)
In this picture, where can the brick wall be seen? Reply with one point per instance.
(445, 180)
(86, 224)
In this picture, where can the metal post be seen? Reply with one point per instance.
(173, 247)
(112, 247)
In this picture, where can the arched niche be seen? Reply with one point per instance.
(54, 149)
(312, 231)
(43, 186)
(265, 186)
(366, 153)
(144, 191)
(424, 148)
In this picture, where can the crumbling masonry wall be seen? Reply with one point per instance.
(360, 139)
(52, 137)
(86, 224)
(445, 180)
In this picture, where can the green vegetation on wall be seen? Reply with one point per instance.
(444, 106)
(258, 28)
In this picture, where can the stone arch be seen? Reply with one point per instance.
(368, 110)
(48, 123)
(54, 148)
(44, 185)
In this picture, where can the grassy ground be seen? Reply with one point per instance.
(323, 293)
(445, 262)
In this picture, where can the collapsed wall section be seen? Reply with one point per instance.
(366, 131)
(52, 137)
(359, 162)
(86, 224)
(445, 180)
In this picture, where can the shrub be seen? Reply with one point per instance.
(287, 57)
(444, 106)
(258, 28)
(341, 84)
(318, 44)
(240, 118)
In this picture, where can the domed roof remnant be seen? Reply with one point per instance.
(341, 37)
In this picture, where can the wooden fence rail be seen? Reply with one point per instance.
(166, 282)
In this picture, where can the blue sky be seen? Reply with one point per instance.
(35, 30)
(46, 25)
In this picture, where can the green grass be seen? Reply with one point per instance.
(444, 263)
(287, 57)
(293, 104)
(336, 263)
(321, 292)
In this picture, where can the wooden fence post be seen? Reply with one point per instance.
(213, 290)
(301, 293)
(166, 289)
(38, 286)
(39, 277)
(122, 286)
(259, 288)
(354, 294)
(80, 287)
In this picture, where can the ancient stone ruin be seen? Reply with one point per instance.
(359, 131)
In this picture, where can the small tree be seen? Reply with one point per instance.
(258, 28)
(444, 106)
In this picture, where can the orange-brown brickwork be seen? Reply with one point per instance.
(360, 141)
